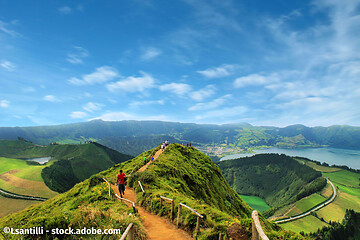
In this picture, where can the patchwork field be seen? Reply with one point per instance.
(348, 197)
(18, 177)
(307, 224)
(256, 202)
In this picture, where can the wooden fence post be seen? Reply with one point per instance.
(255, 234)
(172, 210)
(197, 224)
(178, 216)
(221, 236)
(132, 233)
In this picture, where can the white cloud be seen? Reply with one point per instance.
(51, 98)
(211, 105)
(4, 103)
(133, 84)
(179, 89)
(217, 72)
(78, 115)
(255, 79)
(224, 113)
(91, 106)
(65, 10)
(201, 94)
(143, 103)
(77, 55)
(4, 28)
(120, 116)
(150, 53)
(101, 75)
(8, 66)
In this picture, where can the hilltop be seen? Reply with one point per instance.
(183, 174)
(70, 164)
(133, 137)
(278, 179)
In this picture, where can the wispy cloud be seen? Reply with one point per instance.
(51, 98)
(78, 115)
(150, 53)
(255, 79)
(218, 72)
(211, 105)
(204, 93)
(28, 89)
(65, 10)
(101, 75)
(179, 89)
(7, 65)
(4, 103)
(144, 103)
(119, 116)
(133, 84)
(77, 55)
(91, 106)
(4, 27)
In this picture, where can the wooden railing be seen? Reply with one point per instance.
(195, 212)
(127, 200)
(129, 232)
(142, 189)
(257, 231)
(172, 205)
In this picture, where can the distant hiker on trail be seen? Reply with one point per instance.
(162, 146)
(152, 158)
(166, 143)
(190, 144)
(120, 180)
(187, 144)
(183, 145)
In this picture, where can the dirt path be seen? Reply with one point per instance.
(156, 227)
(157, 154)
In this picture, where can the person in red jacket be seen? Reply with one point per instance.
(120, 180)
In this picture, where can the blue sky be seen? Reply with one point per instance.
(263, 62)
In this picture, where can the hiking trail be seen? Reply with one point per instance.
(157, 228)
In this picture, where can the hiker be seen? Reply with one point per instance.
(162, 146)
(120, 180)
(166, 143)
(151, 158)
(187, 144)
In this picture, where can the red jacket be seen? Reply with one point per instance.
(121, 178)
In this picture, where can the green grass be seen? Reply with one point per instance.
(13, 205)
(345, 177)
(307, 224)
(256, 202)
(309, 202)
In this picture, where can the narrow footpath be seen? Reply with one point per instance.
(157, 154)
(157, 228)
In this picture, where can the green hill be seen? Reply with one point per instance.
(278, 179)
(70, 164)
(183, 174)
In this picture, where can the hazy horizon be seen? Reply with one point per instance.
(274, 63)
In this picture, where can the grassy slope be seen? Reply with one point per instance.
(85, 205)
(13, 205)
(82, 160)
(188, 176)
(307, 224)
(23, 178)
(278, 179)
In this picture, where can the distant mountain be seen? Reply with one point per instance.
(71, 163)
(146, 134)
(278, 179)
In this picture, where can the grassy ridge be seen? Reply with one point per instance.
(278, 179)
(71, 163)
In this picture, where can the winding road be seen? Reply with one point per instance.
(313, 209)
(18, 196)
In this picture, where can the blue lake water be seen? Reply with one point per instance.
(337, 156)
(41, 160)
